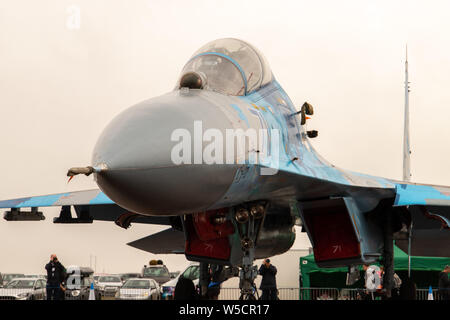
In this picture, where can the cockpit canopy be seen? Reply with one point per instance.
(228, 66)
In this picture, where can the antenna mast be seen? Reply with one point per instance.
(406, 144)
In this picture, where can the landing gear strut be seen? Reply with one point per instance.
(247, 276)
(249, 223)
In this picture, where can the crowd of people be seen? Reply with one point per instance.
(186, 290)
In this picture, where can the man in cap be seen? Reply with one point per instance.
(56, 274)
(268, 282)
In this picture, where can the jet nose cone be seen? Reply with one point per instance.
(138, 146)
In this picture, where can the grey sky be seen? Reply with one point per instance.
(59, 87)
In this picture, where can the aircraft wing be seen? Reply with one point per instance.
(327, 199)
(421, 194)
(433, 201)
(89, 205)
(368, 190)
(87, 197)
(430, 210)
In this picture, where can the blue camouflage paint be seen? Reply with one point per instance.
(240, 114)
(41, 201)
(274, 110)
(101, 198)
(13, 203)
(290, 146)
(76, 198)
(410, 194)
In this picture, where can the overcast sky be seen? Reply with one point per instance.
(62, 79)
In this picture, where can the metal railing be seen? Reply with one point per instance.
(319, 293)
(422, 294)
(225, 294)
(283, 293)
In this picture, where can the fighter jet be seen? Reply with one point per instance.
(225, 159)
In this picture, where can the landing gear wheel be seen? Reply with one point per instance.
(251, 296)
(249, 223)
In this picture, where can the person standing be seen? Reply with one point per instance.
(268, 282)
(444, 284)
(55, 278)
(372, 279)
(185, 290)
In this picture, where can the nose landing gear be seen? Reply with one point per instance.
(247, 276)
(226, 237)
(249, 221)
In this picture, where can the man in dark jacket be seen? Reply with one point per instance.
(185, 290)
(56, 274)
(444, 284)
(268, 282)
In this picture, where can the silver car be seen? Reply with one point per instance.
(139, 289)
(108, 286)
(7, 277)
(24, 289)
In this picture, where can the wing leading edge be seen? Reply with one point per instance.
(88, 205)
(86, 197)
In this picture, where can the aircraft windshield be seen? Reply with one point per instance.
(229, 66)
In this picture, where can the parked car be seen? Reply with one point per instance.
(24, 289)
(156, 271)
(191, 272)
(108, 286)
(78, 286)
(139, 289)
(98, 275)
(125, 276)
(7, 277)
